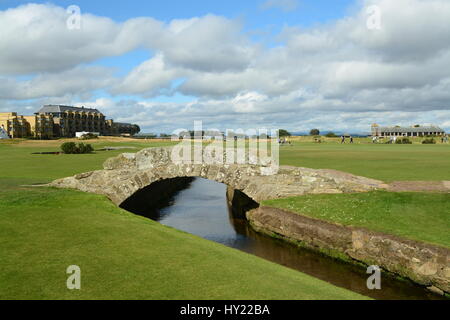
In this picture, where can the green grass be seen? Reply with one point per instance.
(122, 256)
(128, 257)
(19, 166)
(383, 162)
(417, 216)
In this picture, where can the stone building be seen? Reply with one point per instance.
(416, 131)
(61, 121)
(70, 120)
(39, 126)
(13, 124)
(17, 126)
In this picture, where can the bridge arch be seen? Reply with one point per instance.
(159, 194)
(127, 173)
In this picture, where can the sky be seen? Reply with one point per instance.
(293, 64)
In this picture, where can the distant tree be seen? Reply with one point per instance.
(314, 132)
(331, 135)
(136, 129)
(417, 126)
(72, 148)
(85, 148)
(69, 147)
(284, 133)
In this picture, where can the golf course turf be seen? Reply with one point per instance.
(123, 256)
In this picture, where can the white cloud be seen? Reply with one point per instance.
(150, 78)
(79, 81)
(35, 38)
(206, 44)
(338, 75)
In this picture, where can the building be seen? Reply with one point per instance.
(61, 121)
(67, 120)
(39, 126)
(17, 126)
(13, 124)
(415, 131)
(125, 129)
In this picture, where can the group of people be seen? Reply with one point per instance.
(284, 141)
(392, 140)
(344, 140)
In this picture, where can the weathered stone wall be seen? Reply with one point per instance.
(425, 264)
(124, 175)
(240, 203)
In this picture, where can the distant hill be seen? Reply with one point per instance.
(338, 133)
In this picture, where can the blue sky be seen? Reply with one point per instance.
(305, 12)
(256, 18)
(295, 64)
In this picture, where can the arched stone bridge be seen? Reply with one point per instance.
(128, 173)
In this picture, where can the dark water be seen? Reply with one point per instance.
(202, 209)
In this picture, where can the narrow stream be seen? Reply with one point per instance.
(200, 207)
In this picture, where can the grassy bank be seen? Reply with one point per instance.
(383, 162)
(417, 216)
(122, 256)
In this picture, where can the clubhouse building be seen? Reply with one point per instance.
(416, 131)
(57, 121)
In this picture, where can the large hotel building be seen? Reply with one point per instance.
(54, 121)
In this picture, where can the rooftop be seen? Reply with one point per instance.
(60, 108)
(412, 129)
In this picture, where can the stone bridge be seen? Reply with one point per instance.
(128, 173)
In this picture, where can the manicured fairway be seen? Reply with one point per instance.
(122, 256)
(418, 216)
(19, 166)
(383, 162)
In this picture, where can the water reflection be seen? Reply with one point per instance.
(202, 209)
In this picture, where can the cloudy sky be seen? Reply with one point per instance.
(295, 64)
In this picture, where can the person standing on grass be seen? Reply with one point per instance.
(342, 139)
(351, 139)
